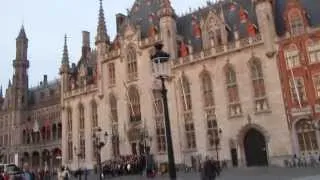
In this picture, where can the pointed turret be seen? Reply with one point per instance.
(102, 35)
(9, 83)
(65, 55)
(22, 33)
(166, 9)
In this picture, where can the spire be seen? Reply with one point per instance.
(9, 83)
(101, 30)
(65, 55)
(166, 9)
(22, 33)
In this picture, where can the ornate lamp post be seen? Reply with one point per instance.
(161, 67)
(100, 140)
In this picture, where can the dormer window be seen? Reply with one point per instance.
(296, 22)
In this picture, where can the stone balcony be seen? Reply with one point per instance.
(82, 90)
(218, 51)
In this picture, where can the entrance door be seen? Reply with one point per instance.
(234, 157)
(255, 148)
(134, 148)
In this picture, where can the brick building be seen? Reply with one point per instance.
(299, 67)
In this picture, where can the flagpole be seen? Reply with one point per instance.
(294, 82)
(184, 94)
(128, 97)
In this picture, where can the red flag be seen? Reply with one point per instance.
(252, 29)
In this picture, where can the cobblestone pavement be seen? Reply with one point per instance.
(243, 174)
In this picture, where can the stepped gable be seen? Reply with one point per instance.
(311, 8)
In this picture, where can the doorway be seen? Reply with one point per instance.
(234, 157)
(255, 148)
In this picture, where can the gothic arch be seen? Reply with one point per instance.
(213, 30)
(243, 131)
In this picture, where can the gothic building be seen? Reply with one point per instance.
(30, 117)
(299, 67)
(224, 92)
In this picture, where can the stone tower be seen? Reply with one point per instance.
(266, 23)
(102, 44)
(20, 77)
(168, 27)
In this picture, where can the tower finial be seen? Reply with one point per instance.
(101, 30)
(166, 9)
(9, 83)
(22, 33)
(65, 55)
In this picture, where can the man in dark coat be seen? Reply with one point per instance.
(209, 170)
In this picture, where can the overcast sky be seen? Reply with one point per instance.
(46, 22)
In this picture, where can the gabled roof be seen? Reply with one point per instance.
(312, 8)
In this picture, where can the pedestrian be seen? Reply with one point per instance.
(60, 173)
(26, 173)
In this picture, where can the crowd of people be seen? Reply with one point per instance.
(305, 160)
(128, 165)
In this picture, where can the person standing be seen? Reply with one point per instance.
(26, 172)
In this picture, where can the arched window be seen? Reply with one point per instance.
(258, 84)
(296, 22)
(134, 104)
(214, 33)
(81, 117)
(186, 94)
(115, 125)
(132, 65)
(69, 134)
(314, 51)
(232, 90)
(187, 113)
(69, 120)
(82, 142)
(292, 56)
(306, 136)
(207, 91)
(94, 111)
(159, 120)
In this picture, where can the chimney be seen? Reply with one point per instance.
(85, 39)
(45, 80)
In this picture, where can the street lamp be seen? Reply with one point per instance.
(100, 140)
(78, 154)
(161, 67)
(217, 143)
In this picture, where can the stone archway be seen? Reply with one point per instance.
(255, 148)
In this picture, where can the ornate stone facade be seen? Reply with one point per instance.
(224, 85)
(30, 118)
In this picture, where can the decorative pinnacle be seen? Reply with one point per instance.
(65, 55)
(166, 9)
(22, 33)
(101, 30)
